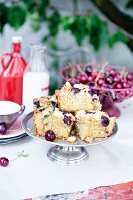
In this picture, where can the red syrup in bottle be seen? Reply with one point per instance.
(11, 77)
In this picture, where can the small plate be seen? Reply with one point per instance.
(14, 131)
(13, 139)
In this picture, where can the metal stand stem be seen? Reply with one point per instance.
(67, 155)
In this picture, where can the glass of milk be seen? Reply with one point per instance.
(36, 76)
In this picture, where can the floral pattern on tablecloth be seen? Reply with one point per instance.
(122, 191)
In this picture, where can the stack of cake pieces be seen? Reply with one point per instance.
(71, 113)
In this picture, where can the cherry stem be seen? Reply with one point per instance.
(101, 71)
(79, 69)
(20, 155)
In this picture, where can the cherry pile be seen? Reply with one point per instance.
(110, 78)
(109, 83)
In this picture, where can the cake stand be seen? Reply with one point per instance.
(63, 152)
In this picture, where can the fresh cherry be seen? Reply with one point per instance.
(127, 92)
(130, 77)
(50, 136)
(104, 86)
(117, 79)
(125, 85)
(3, 128)
(73, 81)
(104, 121)
(90, 78)
(94, 74)
(88, 70)
(111, 72)
(109, 80)
(4, 161)
(100, 81)
(83, 78)
(119, 86)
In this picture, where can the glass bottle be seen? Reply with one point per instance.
(11, 77)
(36, 77)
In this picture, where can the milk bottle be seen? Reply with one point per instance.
(36, 77)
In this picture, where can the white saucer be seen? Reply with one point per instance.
(15, 130)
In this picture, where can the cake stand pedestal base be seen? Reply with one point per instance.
(67, 155)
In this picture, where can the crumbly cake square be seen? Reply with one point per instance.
(77, 97)
(49, 117)
(92, 126)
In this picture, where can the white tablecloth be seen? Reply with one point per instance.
(108, 163)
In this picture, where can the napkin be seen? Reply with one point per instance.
(123, 191)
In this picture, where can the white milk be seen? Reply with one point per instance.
(35, 85)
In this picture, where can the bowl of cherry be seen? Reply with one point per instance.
(112, 84)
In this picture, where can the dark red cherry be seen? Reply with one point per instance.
(90, 78)
(111, 72)
(100, 81)
(88, 70)
(104, 86)
(73, 81)
(104, 121)
(127, 92)
(50, 136)
(109, 80)
(83, 78)
(119, 86)
(75, 90)
(125, 85)
(3, 128)
(4, 161)
(130, 77)
(94, 74)
(67, 120)
(117, 79)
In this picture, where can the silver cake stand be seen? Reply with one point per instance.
(63, 152)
